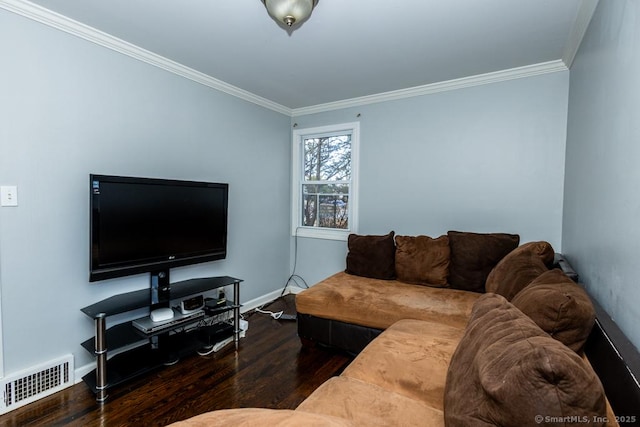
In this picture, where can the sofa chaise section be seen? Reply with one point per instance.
(380, 303)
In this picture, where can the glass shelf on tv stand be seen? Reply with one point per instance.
(126, 335)
(127, 346)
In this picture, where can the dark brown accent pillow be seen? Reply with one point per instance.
(560, 307)
(422, 260)
(519, 267)
(506, 371)
(473, 256)
(371, 256)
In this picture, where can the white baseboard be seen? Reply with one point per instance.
(294, 290)
(83, 370)
(260, 301)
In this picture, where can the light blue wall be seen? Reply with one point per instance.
(69, 108)
(601, 227)
(487, 159)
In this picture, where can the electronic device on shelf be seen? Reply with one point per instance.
(192, 304)
(161, 314)
(148, 326)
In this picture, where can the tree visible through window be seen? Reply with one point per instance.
(327, 176)
(325, 185)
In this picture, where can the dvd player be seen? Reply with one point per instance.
(148, 326)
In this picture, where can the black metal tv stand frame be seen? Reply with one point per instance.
(139, 352)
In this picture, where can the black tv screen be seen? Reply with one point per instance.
(145, 224)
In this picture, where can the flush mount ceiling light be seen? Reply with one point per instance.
(290, 12)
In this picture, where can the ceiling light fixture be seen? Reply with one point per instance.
(290, 12)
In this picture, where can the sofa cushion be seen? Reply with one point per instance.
(251, 417)
(473, 256)
(422, 260)
(519, 267)
(560, 307)
(411, 358)
(371, 256)
(380, 303)
(507, 371)
(367, 404)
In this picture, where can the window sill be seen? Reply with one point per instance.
(326, 234)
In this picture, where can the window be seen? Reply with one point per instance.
(324, 181)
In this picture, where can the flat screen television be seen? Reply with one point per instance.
(140, 225)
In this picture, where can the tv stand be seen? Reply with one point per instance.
(123, 352)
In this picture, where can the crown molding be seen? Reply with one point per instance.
(585, 13)
(70, 26)
(78, 29)
(477, 80)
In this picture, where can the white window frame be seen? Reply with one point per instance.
(299, 135)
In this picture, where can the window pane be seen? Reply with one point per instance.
(327, 158)
(325, 169)
(325, 206)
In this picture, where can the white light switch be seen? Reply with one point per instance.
(8, 195)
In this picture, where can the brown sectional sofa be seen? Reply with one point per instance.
(350, 308)
(434, 353)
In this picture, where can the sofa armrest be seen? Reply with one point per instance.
(617, 362)
(613, 357)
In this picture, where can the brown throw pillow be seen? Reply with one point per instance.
(519, 268)
(560, 307)
(506, 371)
(371, 256)
(422, 260)
(473, 256)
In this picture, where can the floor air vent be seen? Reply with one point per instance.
(35, 383)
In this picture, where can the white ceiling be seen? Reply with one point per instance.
(347, 49)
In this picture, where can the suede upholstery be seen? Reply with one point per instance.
(371, 256)
(474, 255)
(506, 371)
(381, 303)
(410, 358)
(367, 404)
(252, 417)
(560, 307)
(422, 260)
(519, 267)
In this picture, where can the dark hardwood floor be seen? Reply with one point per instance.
(270, 369)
